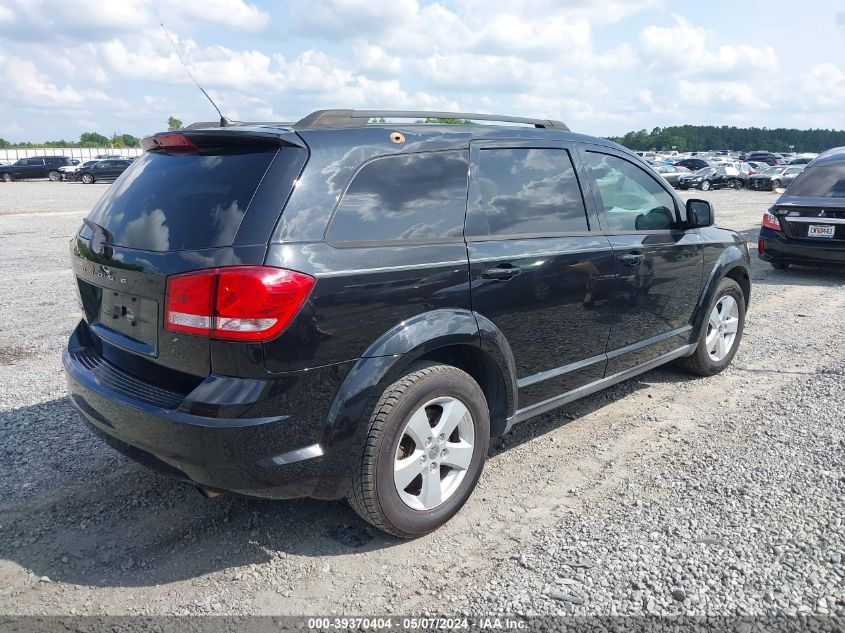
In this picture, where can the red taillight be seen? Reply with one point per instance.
(761, 246)
(175, 143)
(770, 221)
(236, 303)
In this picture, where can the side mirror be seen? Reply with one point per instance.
(699, 213)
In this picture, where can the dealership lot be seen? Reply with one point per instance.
(664, 494)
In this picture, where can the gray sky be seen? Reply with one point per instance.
(603, 67)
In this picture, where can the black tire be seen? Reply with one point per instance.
(779, 265)
(7, 178)
(700, 362)
(87, 179)
(373, 493)
(775, 184)
(54, 176)
(738, 185)
(705, 185)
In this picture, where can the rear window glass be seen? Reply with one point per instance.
(166, 202)
(530, 191)
(826, 180)
(405, 197)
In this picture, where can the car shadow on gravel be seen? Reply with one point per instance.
(86, 515)
(801, 276)
(571, 412)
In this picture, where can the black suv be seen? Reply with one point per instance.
(764, 157)
(36, 167)
(336, 308)
(102, 171)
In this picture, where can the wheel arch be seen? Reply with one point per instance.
(460, 338)
(732, 264)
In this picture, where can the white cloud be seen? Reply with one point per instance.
(231, 13)
(822, 86)
(720, 95)
(584, 62)
(688, 50)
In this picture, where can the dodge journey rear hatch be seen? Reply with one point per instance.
(194, 202)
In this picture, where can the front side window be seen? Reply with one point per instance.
(631, 198)
(530, 191)
(404, 197)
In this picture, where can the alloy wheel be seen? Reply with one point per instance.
(435, 450)
(722, 328)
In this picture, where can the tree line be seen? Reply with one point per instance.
(91, 139)
(86, 139)
(691, 138)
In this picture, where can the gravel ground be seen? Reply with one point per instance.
(662, 495)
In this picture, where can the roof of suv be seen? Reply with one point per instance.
(355, 128)
(831, 155)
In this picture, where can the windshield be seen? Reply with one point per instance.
(705, 171)
(826, 180)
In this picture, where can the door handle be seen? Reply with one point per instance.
(630, 260)
(501, 272)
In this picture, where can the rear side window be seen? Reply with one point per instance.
(165, 202)
(530, 191)
(405, 197)
(825, 180)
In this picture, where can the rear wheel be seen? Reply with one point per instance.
(719, 337)
(705, 185)
(87, 179)
(54, 176)
(425, 448)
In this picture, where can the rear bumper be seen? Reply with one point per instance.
(777, 248)
(279, 454)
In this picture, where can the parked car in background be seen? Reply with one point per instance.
(35, 167)
(801, 160)
(67, 170)
(693, 164)
(724, 177)
(774, 177)
(807, 223)
(671, 173)
(366, 335)
(763, 157)
(102, 171)
(108, 156)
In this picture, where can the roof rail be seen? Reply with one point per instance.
(359, 118)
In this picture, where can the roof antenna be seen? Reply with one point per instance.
(224, 122)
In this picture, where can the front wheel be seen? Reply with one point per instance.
(7, 177)
(738, 184)
(54, 176)
(775, 184)
(705, 186)
(424, 451)
(87, 179)
(720, 335)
